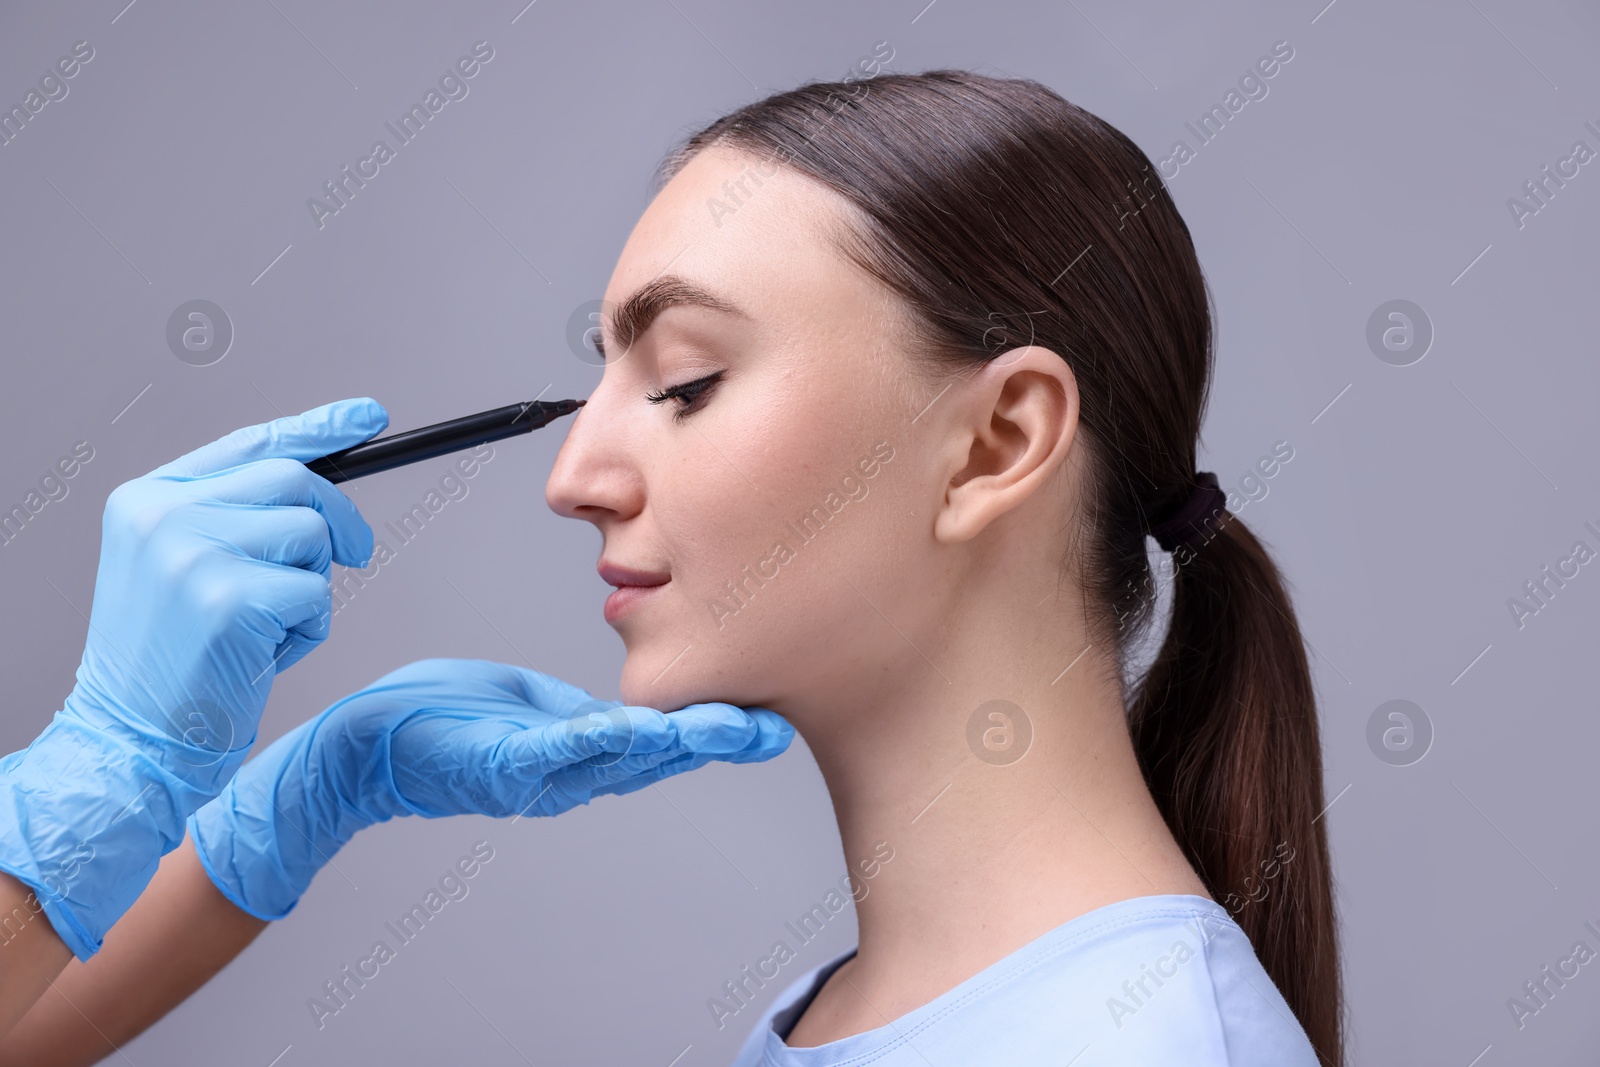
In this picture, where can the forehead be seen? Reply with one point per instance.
(733, 220)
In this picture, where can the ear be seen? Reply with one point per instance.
(1020, 414)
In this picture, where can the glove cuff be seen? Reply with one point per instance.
(91, 817)
(285, 815)
(231, 876)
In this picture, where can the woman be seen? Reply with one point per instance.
(900, 377)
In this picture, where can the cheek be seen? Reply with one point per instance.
(779, 579)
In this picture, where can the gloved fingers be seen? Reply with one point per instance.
(292, 607)
(718, 730)
(305, 635)
(769, 735)
(713, 727)
(446, 762)
(601, 736)
(240, 616)
(635, 772)
(290, 483)
(579, 782)
(288, 536)
(294, 648)
(772, 737)
(659, 771)
(308, 435)
(305, 601)
(550, 694)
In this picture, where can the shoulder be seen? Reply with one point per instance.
(1165, 979)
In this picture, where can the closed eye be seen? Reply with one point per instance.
(689, 393)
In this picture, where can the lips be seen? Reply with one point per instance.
(619, 576)
(632, 586)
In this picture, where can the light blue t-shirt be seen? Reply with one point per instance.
(1152, 980)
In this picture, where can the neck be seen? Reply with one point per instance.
(995, 840)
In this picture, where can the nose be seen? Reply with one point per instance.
(595, 477)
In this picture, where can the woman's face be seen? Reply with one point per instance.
(781, 506)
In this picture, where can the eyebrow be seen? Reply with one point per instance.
(635, 314)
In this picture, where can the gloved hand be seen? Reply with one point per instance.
(213, 577)
(447, 737)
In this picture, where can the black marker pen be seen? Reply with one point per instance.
(413, 446)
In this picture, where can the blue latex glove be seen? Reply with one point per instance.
(447, 737)
(213, 577)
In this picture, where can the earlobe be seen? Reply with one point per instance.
(1019, 423)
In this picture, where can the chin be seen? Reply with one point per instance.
(651, 679)
(643, 683)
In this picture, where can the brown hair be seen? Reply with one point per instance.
(1004, 215)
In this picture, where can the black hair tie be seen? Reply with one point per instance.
(1187, 525)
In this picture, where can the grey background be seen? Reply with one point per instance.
(1377, 168)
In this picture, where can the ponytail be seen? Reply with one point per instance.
(1225, 727)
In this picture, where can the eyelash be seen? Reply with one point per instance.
(690, 392)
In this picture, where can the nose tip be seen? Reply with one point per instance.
(559, 487)
(587, 479)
